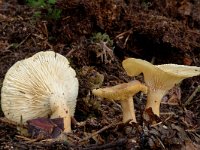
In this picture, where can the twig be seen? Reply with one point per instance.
(65, 18)
(156, 124)
(7, 121)
(22, 41)
(192, 95)
(45, 30)
(48, 44)
(27, 140)
(126, 40)
(167, 118)
(123, 33)
(39, 36)
(161, 143)
(118, 105)
(191, 130)
(117, 143)
(9, 46)
(167, 113)
(70, 52)
(99, 131)
(153, 59)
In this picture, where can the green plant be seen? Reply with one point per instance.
(103, 47)
(99, 37)
(48, 5)
(54, 13)
(146, 3)
(37, 14)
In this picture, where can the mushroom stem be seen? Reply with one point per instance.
(67, 123)
(60, 110)
(128, 110)
(154, 98)
(61, 113)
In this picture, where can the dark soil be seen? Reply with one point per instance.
(162, 31)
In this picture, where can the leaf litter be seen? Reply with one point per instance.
(167, 31)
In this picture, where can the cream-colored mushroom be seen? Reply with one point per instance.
(40, 86)
(158, 78)
(124, 93)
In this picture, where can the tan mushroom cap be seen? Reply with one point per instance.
(124, 93)
(159, 74)
(159, 78)
(33, 86)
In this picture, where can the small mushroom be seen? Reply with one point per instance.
(40, 86)
(124, 93)
(158, 78)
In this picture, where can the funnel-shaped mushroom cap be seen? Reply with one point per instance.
(33, 86)
(122, 91)
(159, 76)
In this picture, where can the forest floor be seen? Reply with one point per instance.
(96, 36)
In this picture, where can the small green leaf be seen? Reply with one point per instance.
(51, 1)
(36, 3)
(37, 14)
(54, 13)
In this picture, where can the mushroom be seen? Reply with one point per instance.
(158, 78)
(40, 86)
(124, 93)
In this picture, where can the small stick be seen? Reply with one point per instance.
(118, 105)
(70, 52)
(28, 140)
(23, 41)
(167, 113)
(99, 131)
(161, 143)
(154, 125)
(153, 60)
(9, 122)
(123, 33)
(192, 95)
(115, 144)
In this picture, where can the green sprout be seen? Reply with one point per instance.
(49, 5)
(99, 37)
(103, 47)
